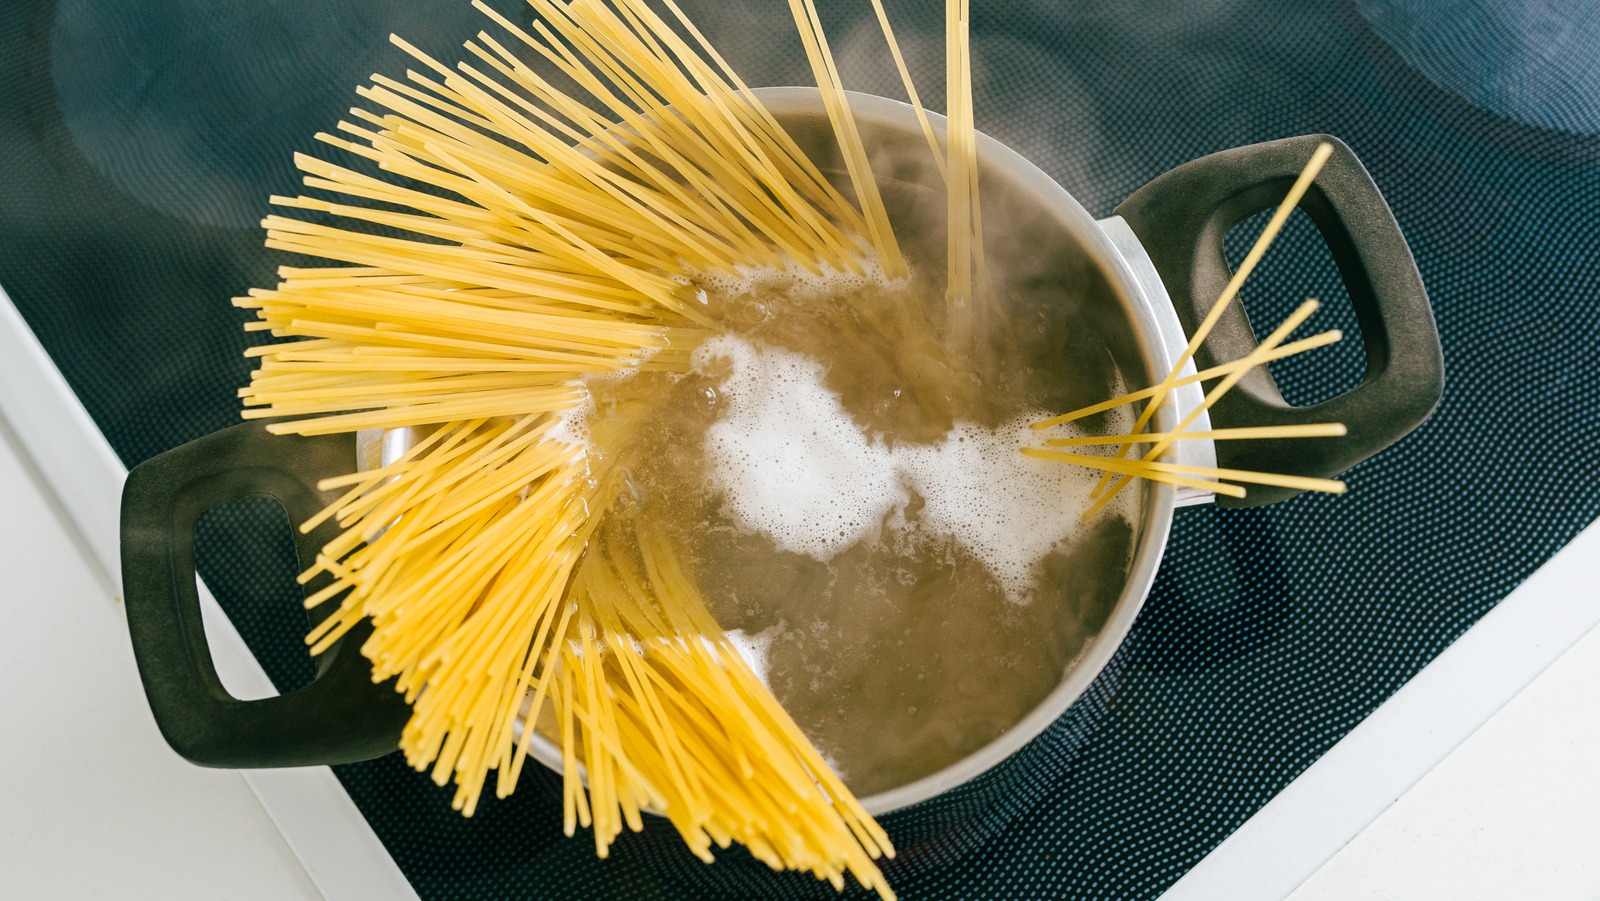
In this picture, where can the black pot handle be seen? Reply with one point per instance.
(1181, 219)
(342, 716)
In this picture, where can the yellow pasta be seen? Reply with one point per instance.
(515, 240)
(1117, 472)
(1105, 487)
(1205, 375)
(911, 88)
(1252, 359)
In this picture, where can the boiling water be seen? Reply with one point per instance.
(850, 495)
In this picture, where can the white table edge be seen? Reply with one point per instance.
(335, 844)
(1371, 767)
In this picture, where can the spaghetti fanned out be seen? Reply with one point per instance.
(495, 239)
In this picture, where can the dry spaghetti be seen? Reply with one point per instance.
(493, 240)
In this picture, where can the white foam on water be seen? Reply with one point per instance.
(754, 648)
(795, 280)
(1007, 509)
(792, 465)
(572, 424)
(790, 462)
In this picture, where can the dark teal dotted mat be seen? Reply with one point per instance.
(139, 140)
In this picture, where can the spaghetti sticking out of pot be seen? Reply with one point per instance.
(504, 238)
(1118, 472)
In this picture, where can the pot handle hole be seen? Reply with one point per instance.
(341, 716)
(1181, 218)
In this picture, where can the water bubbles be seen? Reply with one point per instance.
(754, 313)
(789, 460)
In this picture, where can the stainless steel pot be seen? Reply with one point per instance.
(1148, 275)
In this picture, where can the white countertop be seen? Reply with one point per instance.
(1481, 771)
(95, 805)
(1512, 812)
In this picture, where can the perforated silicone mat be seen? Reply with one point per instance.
(141, 138)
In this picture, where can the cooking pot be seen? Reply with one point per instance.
(1144, 276)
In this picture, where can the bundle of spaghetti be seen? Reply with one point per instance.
(849, 136)
(494, 241)
(896, 324)
(664, 712)
(392, 351)
(961, 179)
(537, 237)
(1322, 339)
(654, 703)
(459, 553)
(911, 89)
